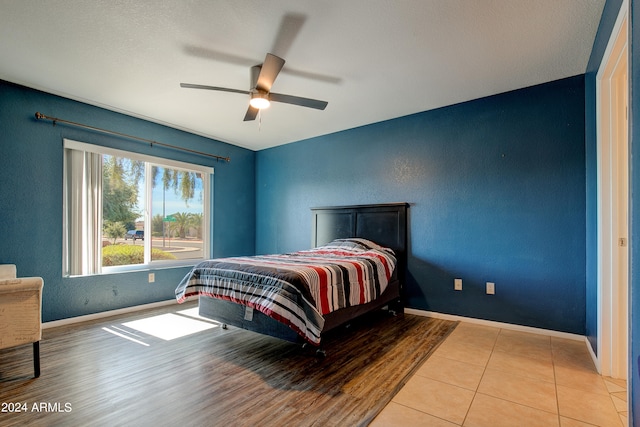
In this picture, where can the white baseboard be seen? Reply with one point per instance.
(494, 324)
(78, 319)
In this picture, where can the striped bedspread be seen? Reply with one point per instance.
(297, 288)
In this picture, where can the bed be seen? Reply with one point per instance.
(233, 291)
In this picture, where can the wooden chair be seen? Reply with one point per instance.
(20, 311)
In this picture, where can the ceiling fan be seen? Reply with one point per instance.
(262, 78)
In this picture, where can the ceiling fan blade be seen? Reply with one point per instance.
(269, 71)
(222, 89)
(251, 114)
(297, 100)
(254, 72)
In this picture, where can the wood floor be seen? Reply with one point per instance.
(116, 372)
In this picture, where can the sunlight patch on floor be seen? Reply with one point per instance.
(169, 326)
(125, 335)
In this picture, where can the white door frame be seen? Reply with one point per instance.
(612, 83)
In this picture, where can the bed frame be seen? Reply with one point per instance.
(385, 224)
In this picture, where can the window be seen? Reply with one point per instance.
(125, 211)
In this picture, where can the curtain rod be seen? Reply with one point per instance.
(40, 116)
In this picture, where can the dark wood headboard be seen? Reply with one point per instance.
(385, 224)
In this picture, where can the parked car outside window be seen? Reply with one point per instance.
(134, 234)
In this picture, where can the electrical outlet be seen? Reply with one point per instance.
(152, 277)
(457, 284)
(491, 288)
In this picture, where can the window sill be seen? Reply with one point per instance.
(141, 267)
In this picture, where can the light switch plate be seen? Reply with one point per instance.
(491, 288)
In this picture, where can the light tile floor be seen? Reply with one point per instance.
(485, 376)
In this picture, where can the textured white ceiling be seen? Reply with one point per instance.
(372, 60)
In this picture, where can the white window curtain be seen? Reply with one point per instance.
(83, 213)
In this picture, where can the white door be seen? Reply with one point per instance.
(613, 199)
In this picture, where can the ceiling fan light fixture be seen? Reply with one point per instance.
(259, 100)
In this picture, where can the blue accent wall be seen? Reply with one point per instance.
(31, 156)
(497, 193)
